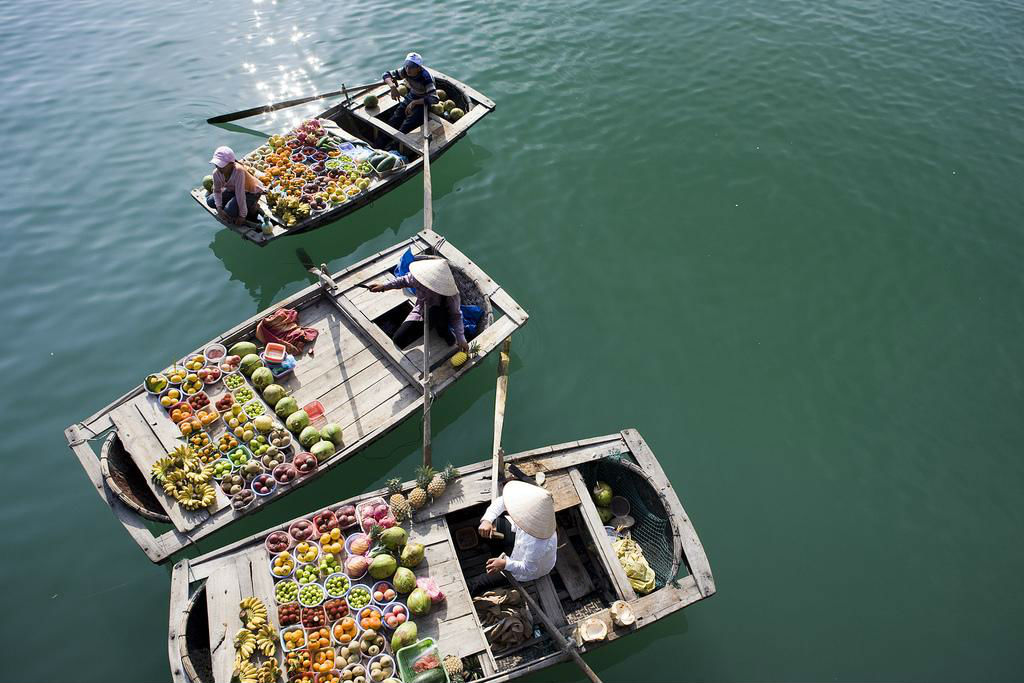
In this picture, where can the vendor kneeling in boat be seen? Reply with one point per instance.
(436, 292)
(422, 93)
(528, 529)
(231, 182)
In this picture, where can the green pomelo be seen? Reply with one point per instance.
(332, 432)
(297, 421)
(406, 634)
(309, 436)
(412, 554)
(370, 101)
(286, 406)
(383, 566)
(208, 183)
(456, 114)
(274, 393)
(322, 450)
(243, 348)
(404, 580)
(263, 423)
(419, 602)
(603, 494)
(262, 378)
(394, 538)
(249, 364)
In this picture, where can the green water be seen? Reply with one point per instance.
(783, 240)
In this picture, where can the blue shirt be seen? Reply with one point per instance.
(421, 86)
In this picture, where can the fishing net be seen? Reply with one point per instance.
(652, 530)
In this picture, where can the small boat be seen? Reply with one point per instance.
(354, 373)
(352, 121)
(588, 593)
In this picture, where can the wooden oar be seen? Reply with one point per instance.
(267, 108)
(566, 645)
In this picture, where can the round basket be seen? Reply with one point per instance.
(125, 481)
(472, 295)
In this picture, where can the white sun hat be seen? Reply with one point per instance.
(222, 157)
(414, 58)
(435, 275)
(531, 508)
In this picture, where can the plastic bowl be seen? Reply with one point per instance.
(348, 583)
(290, 574)
(619, 506)
(304, 457)
(290, 629)
(315, 560)
(332, 676)
(268, 480)
(156, 374)
(295, 527)
(282, 468)
(381, 586)
(327, 518)
(315, 410)
(374, 608)
(195, 356)
(312, 612)
(275, 534)
(386, 609)
(274, 352)
(354, 611)
(380, 657)
(279, 584)
(306, 604)
(244, 501)
(226, 473)
(211, 351)
(355, 638)
(353, 537)
(167, 372)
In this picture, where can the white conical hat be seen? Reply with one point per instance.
(435, 275)
(531, 508)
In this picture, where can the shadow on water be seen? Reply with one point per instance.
(266, 271)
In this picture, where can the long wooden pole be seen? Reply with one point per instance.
(569, 647)
(428, 222)
(500, 392)
(267, 108)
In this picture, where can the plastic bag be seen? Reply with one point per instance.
(430, 586)
(631, 557)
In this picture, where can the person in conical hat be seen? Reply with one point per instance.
(436, 290)
(525, 515)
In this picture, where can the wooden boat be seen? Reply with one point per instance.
(363, 380)
(587, 579)
(369, 125)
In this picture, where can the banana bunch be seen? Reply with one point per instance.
(266, 640)
(246, 672)
(253, 613)
(269, 671)
(185, 478)
(245, 645)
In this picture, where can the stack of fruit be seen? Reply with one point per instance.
(185, 478)
(170, 397)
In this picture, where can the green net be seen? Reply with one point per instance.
(652, 529)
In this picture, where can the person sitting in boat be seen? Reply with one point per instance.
(528, 529)
(436, 292)
(232, 180)
(422, 93)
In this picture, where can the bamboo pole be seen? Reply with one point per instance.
(428, 221)
(501, 391)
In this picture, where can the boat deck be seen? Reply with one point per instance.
(365, 382)
(586, 580)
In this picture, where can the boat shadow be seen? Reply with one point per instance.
(266, 271)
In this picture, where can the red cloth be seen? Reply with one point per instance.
(282, 327)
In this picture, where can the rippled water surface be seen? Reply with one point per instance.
(782, 239)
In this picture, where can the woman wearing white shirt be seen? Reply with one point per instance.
(529, 529)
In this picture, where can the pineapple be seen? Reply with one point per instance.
(418, 496)
(452, 666)
(399, 505)
(440, 481)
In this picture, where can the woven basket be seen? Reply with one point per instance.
(126, 482)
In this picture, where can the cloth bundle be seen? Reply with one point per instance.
(505, 617)
(282, 327)
(631, 557)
